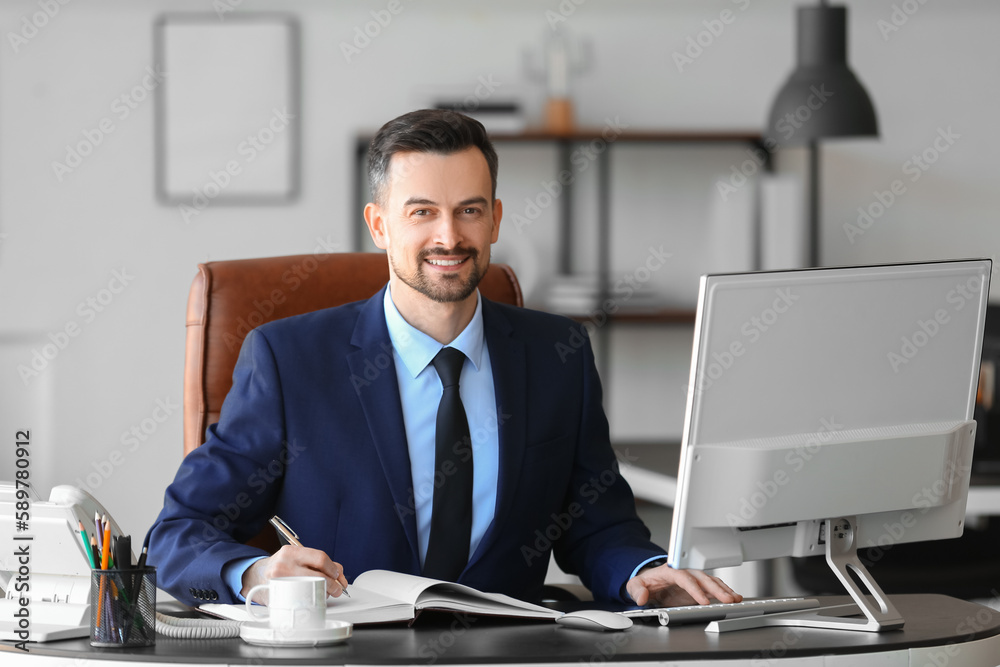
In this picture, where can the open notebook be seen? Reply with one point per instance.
(380, 596)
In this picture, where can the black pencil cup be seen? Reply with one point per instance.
(123, 607)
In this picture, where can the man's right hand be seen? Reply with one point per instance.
(293, 561)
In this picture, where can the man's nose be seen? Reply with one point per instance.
(446, 232)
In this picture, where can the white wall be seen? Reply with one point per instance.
(61, 242)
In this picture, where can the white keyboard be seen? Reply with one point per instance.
(698, 613)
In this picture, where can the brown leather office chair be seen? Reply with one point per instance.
(229, 298)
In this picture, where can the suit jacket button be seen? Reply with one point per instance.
(193, 592)
(214, 596)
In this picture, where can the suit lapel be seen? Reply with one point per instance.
(507, 357)
(373, 375)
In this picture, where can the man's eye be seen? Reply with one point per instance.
(421, 211)
(470, 211)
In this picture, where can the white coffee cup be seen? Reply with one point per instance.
(294, 603)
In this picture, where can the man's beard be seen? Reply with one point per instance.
(450, 288)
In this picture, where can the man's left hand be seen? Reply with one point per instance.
(667, 587)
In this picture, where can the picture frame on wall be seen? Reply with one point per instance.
(228, 110)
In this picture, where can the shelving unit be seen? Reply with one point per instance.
(565, 144)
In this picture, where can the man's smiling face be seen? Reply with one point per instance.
(438, 221)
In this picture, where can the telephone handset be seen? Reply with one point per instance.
(74, 496)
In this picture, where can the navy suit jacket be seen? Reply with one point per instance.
(312, 430)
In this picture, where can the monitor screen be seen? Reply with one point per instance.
(826, 393)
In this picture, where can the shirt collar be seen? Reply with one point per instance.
(416, 349)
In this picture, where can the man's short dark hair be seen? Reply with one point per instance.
(426, 131)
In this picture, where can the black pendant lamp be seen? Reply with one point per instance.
(821, 99)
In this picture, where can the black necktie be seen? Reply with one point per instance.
(451, 513)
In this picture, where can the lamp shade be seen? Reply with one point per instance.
(822, 97)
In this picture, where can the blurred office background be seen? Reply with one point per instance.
(98, 247)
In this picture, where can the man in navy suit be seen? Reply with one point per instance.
(347, 455)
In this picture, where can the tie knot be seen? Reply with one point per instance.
(448, 363)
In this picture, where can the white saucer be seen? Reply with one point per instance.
(262, 634)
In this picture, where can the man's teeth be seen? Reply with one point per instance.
(446, 262)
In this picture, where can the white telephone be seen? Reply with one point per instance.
(51, 569)
(58, 586)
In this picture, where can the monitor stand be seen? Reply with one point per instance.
(842, 557)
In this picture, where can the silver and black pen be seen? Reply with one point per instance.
(293, 538)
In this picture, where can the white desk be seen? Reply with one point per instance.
(939, 631)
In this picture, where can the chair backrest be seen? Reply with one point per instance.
(230, 298)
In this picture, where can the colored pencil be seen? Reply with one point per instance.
(86, 546)
(105, 552)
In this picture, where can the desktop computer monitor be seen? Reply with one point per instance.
(830, 409)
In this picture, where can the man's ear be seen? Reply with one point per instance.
(497, 215)
(375, 220)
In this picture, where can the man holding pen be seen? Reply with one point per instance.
(482, 446)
